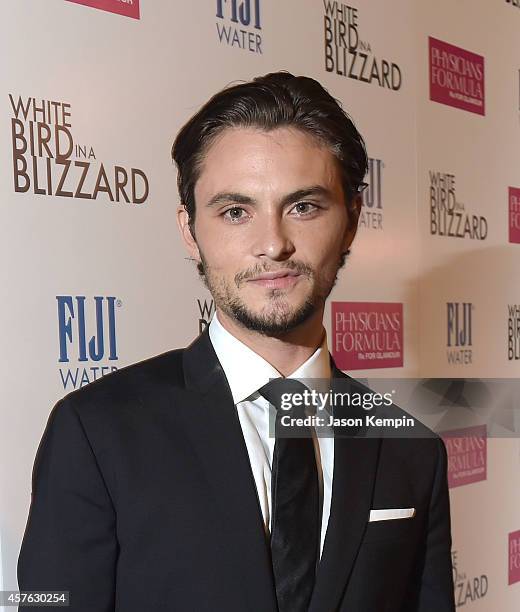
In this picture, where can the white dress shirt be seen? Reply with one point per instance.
(246, 372)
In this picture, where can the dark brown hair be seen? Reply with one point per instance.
(278, 99)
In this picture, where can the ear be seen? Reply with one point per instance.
(187, 237)
(353, 219)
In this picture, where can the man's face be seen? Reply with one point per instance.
(269, 203)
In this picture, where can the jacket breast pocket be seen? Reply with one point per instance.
(392, 529)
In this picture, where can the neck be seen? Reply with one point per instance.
(286, 352)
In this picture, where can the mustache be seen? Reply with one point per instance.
(298, 267)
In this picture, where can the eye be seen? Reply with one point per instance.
(231, 215)
(302, 208)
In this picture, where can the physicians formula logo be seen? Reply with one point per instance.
(467, 455)
(87, 338)
(456, 77)
(128, 8)
(239, 24)
(514, 214)
(514, 557)
(367, 335)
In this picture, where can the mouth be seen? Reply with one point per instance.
(276, 280)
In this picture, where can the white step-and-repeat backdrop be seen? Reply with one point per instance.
(94, 276)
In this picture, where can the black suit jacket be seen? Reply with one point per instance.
(143, 500)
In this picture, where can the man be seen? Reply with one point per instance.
(159, 487)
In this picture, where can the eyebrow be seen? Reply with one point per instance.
(299, 194)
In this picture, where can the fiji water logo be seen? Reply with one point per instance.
(239, 24)
(371, 215)
(87, 338)
(459, 326)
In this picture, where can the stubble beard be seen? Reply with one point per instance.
(281, 318)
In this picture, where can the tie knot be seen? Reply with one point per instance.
(286, 394)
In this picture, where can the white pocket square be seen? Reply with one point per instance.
(391, 513)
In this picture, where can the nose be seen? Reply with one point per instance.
(272, 237)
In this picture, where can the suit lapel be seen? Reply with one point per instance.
(213, 426)
(355, 465)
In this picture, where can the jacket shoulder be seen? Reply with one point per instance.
(131, 385)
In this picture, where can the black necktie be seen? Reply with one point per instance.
(294, 502)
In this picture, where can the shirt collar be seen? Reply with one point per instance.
(246, 371)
